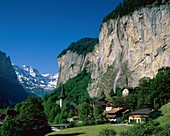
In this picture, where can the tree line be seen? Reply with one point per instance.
(129, 6)
(81, 47)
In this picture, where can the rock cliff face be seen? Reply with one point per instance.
(11, 92)
(6, 69)
(129, 48)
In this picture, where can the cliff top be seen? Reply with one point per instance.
(129, 6)
(82, 46)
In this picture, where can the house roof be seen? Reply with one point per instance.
(108, 104)
(101, 102)
(114, 110)
(73, 104)
(143, 111)
(126, 111)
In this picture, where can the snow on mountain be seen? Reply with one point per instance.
(34, 82)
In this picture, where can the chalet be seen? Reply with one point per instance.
(115, 114)
(127, 90)
(73, 105)
(106, 105)
(142, 115)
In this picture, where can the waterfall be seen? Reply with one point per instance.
(115, 81)
(118, 56)
(102, 56)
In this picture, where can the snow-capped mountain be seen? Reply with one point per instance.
(34, 82)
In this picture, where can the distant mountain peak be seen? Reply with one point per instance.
(34, 82)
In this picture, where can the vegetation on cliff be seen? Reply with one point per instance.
(129, 6)
(81, 47)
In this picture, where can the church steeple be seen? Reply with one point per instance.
(62, 96)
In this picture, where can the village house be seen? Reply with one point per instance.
(127, 90)
(116, 114)
(106, 105)
(142, 115)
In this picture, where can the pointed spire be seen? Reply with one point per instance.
(62, 95)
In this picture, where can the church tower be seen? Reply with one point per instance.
(62, 97)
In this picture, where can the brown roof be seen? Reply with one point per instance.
(126, 111)
(111, 116)
(114, 110)
(108, 104)
(101, 102)
(143, 111)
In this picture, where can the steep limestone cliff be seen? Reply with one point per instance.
(130, 47)
(78, 56)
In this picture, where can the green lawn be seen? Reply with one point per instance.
(165, 118)
(87, 130)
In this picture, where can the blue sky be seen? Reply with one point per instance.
(34, 32)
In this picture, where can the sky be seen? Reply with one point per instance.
(34, 32)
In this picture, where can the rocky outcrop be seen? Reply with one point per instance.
(130, 48)
(6, 69)
(70, 65)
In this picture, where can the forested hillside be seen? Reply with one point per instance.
(75, 90)
(152, 93)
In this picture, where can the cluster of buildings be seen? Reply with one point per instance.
(113, 114)
(116, 114)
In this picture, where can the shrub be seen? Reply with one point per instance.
(148, 129)
(107, 132)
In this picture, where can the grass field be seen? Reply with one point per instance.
(165, 118)
(87, 130)
(94, 130)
